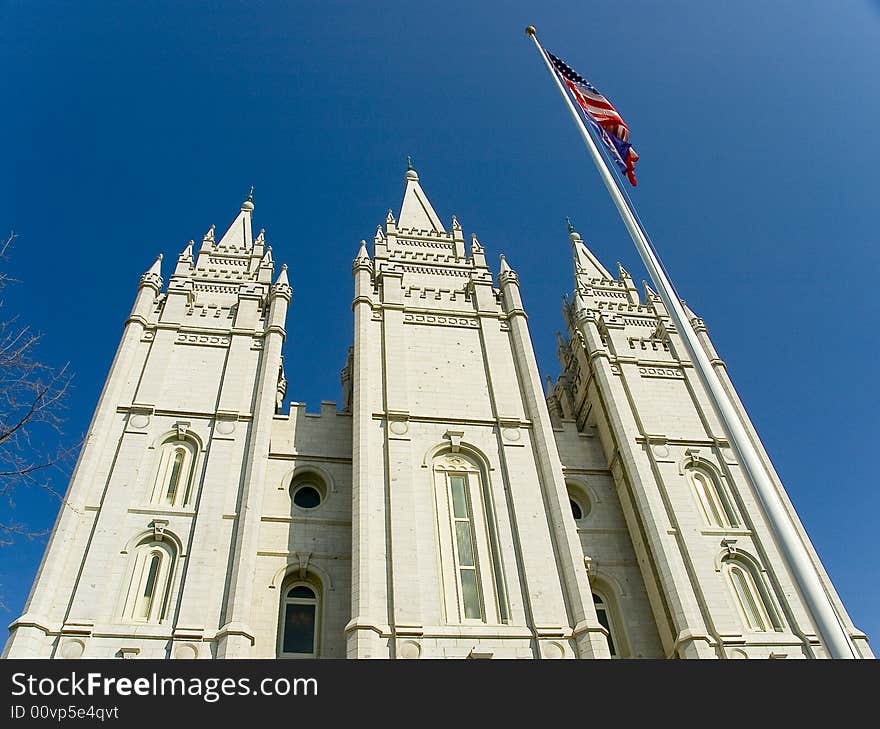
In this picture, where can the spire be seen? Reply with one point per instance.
(416, 212)
(476, 247)
(209, 236)
(185, 261)
(156, 268)
(153, 275)
(584, 260)
(267, 258)
(362, 253)
(240, 235)
(282, 277)
(621, 271)
(187, 253)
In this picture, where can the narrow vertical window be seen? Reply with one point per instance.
(149, 583)
(465, 556)
(146, 598)
(605, 621)
(716, 511)
(174, 480)
(299, 623)
(749, 598)
(473, 586)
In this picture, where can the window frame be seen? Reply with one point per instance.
(184, 492)
(711, 498)
(757, 593)
(488, 568)
(286, 600)
(138, 576)
(617, 643)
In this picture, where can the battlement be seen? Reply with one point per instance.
(299, 432)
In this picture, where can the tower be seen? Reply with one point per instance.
(463, 542)
(155, 542)
(716, 583)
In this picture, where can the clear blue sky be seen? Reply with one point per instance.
(128, 128)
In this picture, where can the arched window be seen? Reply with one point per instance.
(174, 479)
(468, 541)
(300, 621)
(146, 599)
(604, 615)
(750, 595)
(714, 504)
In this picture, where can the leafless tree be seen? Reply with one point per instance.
(32, 402)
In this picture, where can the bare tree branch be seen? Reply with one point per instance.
(32, 402)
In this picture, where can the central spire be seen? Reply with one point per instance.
(416, 212)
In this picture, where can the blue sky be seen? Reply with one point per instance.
(128, 128)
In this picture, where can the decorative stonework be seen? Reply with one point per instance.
(205, 340)
(670, 373)
(441, 320)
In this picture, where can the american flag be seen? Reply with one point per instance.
(602, 115)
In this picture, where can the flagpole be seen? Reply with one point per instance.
(818, 602)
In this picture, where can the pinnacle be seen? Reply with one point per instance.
(282, 277)
(363, 255)
(156, 268)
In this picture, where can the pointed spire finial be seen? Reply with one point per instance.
(570, 224)
(282, 281)
(209, 236)
(363, 255)
(390, 217)
(153, 274)
(249, 203)
(476, 246)
(505, 267)
(411, 173)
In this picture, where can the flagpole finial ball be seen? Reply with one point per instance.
(530, 30)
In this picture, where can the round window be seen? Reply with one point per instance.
(307, 497)
(579, 502)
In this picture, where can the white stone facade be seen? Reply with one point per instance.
(450, 508)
